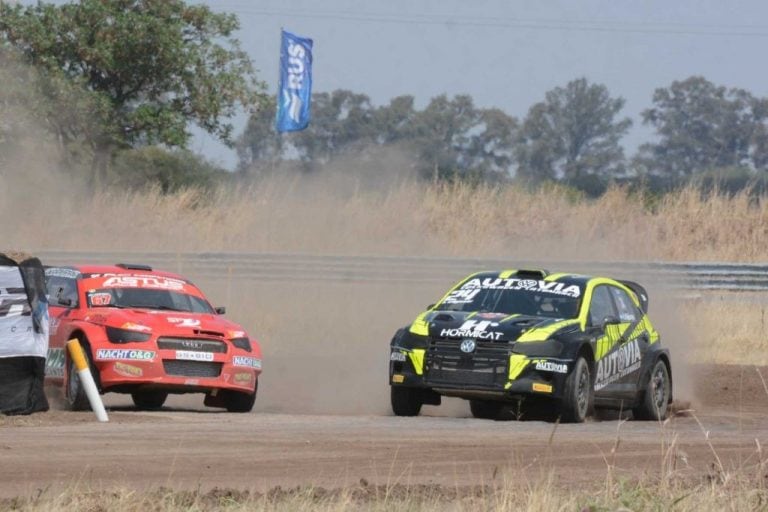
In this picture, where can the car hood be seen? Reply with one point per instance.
(497, 327)
(167, 322)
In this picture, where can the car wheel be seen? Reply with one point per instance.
(236, 401)
(485, 409)
(76, 397)
(149, 400)
(405, 401)
(655, 402)
(577, 395)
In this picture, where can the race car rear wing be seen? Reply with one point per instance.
(642, 295)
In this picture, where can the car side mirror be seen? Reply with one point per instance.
(61, 301)
(220, 310)
(430, 306)
(610, 320)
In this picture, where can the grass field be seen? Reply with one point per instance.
(720, 492)
(342, 214)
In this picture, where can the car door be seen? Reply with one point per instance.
(617, 352)
(634, 341)
(62, 301)
(606, 328)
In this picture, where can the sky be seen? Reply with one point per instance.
(506, 53)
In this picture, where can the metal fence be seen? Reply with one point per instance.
(394, 269)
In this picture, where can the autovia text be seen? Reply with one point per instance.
(619, 363)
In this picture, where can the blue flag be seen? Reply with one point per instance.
(295, 89)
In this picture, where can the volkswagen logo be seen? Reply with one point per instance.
(467, 346)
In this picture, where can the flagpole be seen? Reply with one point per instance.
(279, 134)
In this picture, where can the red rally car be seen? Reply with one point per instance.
(148, 333)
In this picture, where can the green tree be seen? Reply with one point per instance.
(342, 123)
(456, 140)
(144, 70)
(169, 170)
(395, 122)
(260, 147)
(703, 127)
(573, 135)
(450, 138)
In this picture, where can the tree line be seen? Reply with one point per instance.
(116, 85)
(573, 136)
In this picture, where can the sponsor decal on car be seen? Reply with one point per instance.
(124, 353)
(127, 370)
(69, 273)
(184, 322)
(549, 366)
(498, 283)
(396, 355)
(473, 329)
(164, 283)
(131, 326)
(617, 364)
(54, 363)
(190, 355)
(250, 362)
(242, 378)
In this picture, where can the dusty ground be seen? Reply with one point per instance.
(186, 446)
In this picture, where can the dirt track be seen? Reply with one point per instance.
(184, 446)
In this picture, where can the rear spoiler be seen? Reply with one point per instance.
(642, 295)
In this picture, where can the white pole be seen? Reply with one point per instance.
(86, 379)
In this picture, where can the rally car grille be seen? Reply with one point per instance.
(196, 344)
(486, 367)
(191, 368)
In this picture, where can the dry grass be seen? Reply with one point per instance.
(729, 332)
(740, 493)
(333, 213)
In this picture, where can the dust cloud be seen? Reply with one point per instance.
(325, 343)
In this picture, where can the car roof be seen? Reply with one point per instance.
(561, 277)
(89, 270)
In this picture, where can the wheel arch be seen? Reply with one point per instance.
(82, 337)
(664, 356)
(659, 355)
(585, 351)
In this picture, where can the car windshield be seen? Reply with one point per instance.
(146, 298)
(515, 296)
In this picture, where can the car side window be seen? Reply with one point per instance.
(628, 312)
(601, 306)
(62, 291)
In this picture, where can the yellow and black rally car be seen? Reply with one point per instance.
(570, 341)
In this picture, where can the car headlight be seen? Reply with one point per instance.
(407, 340)
(242, 343)
(116, 335)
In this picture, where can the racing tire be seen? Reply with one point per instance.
(405, 401)
(577, 395)
(149, 400)
(236, 401)
(485, 409)
(654, 405)
(75, 396)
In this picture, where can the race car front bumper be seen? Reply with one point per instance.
(510, 376)
(126, 370)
